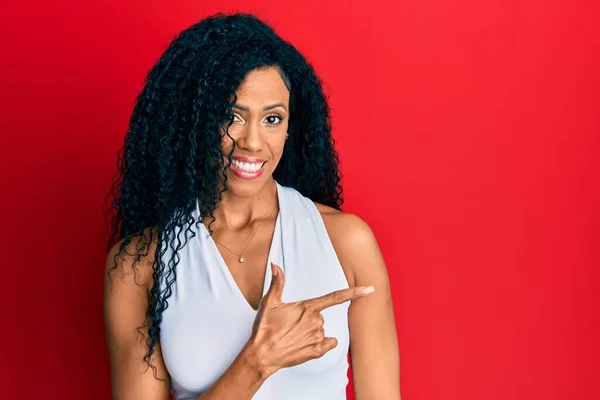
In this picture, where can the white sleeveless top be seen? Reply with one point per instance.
(208, 320)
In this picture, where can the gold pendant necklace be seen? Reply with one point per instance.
(241, 258)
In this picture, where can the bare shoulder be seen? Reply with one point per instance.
(132, 263)
(349, 235)
(346, 226)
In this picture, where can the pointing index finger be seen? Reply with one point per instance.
(338, 297)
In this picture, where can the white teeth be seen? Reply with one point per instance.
(248, 167)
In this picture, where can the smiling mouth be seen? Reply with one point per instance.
(247, 167)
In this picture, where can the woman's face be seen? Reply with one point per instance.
(259, 128)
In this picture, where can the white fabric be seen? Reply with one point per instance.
(208, 320)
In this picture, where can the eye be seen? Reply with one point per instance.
(274, 119)
(232, 118)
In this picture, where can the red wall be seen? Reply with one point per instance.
(469, 133)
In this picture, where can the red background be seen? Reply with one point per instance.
(469, 133)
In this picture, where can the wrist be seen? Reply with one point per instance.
(254, 359)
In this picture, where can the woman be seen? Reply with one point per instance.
(235, 274)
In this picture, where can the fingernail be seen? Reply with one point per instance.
(273, 269)
(368, 289)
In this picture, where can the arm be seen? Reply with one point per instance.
(373, 336)
(125, 304)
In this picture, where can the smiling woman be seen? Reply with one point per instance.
(249, 122)
(250, 118)
(232, 272)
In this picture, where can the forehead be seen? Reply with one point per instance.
(263, 86)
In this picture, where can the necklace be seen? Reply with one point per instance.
(241, 259)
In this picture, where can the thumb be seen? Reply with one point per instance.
(277, 283)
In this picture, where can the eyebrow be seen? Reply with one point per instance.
(267, 108)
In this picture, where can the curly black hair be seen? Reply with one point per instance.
(172, 157)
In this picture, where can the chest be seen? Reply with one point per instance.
(210, 311)
(249, 276)
(245, 255)
(208, 322)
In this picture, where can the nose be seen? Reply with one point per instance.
(250, 137)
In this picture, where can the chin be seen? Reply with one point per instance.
(240, 187)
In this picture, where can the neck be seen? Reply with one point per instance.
(235, 212)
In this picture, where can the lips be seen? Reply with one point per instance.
(253, 160)
(247, 168)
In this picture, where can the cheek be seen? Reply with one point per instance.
(281, 138)
(226, 142)
(277, 151)
(277, 145)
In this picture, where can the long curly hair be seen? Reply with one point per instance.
(172, 159)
